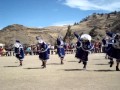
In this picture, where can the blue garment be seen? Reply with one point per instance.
(110, 50)
(78, 49)
(82, 49)
(19, 51)
(60, 48)
(44, 51)
(105, 44)
(20, 55)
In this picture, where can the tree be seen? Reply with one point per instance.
(108, 16)
(93, 32)
(94, 16)
(75, 23)
(69, 36)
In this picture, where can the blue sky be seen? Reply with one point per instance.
(42, 13)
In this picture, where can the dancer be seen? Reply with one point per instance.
(60, 48)
(105, 46)
(43, 51)
(113, 50)
(84, 46)
(19, 51)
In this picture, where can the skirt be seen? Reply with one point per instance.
(21, 55)
(114, 53)
(61, 52)
(81, 54)
(44, 55)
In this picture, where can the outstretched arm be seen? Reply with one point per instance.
(76, 35)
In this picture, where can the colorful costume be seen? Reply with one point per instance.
(113, 48)
(84, 46)
(19, 51)
(60, 48)
(43, 51)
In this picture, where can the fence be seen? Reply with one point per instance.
(52, 52)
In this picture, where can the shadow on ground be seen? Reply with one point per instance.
(11, 66)
(72, 61)
(101, 64)
(54, 64)
(106, 70)
(34, 68)
(73, 69)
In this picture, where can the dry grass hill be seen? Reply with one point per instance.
(28, 35)
(96, 25)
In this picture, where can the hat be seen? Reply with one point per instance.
(86, 37)
(17, 41)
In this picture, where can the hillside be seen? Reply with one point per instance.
(28, 35)
(95, 24)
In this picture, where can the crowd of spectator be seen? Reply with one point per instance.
(33, 49)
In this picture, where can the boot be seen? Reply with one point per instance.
(111, 63)
(20, 63)
(44, 64)
(62, 62)
(117, 69)
(84, 63)
(79, 61)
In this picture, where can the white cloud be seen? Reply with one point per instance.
(63, 23)
(108, 5)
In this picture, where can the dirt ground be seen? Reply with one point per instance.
(70, 76)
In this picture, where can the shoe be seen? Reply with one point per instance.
(117, 69)
(79, 61)
(62, 63)
(84, 66)
(111, 63)
(20, 65)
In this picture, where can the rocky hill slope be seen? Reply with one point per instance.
(28, 35)
(96, 25)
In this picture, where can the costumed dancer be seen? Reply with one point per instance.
(60, 48)
(105, 46)
(113, 49)
(43, 51)
(19, 51)
(84, 46)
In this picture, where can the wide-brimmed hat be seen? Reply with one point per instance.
(86, 37)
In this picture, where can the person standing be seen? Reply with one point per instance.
(19, 51)
(43, 52)
(60, 49)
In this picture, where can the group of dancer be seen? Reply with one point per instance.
(83, 47)
(112, 48)
(43, 50)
